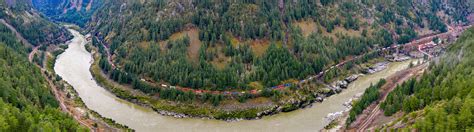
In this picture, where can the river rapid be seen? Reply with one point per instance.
(73, 66)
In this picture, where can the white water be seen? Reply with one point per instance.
(73, 66)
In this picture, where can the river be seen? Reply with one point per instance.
(73, 66)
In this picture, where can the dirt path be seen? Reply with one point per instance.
(425, 53)
(364, 123)
(32, 54)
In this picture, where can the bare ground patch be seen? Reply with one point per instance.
(195, 43)
(259, 46)
(307, 27)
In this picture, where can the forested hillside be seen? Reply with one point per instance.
(222, 45)
(32, 26)
(443, 98)
(26, 102)
(71, 11)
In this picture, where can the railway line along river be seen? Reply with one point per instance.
(73, 66)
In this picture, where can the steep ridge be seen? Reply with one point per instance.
(70, 11)
(33, 27)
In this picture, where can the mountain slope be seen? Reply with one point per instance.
(26, 102)
(235, 38)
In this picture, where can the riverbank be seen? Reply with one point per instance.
(74, 66)
(69, 98)
(199, 110)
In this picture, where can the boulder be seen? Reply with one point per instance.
(352, 78)
(319, 99)
(342, 84)
(336, 89)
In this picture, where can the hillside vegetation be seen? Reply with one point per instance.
(250, 45)
(137, 35)
(26, 101)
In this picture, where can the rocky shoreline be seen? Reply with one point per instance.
(338, 86)
(377, 67)
(348, 104)
(288, 106)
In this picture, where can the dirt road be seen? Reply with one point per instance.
(425, 53)
(32, 54)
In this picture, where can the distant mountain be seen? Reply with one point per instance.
(70, 11)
